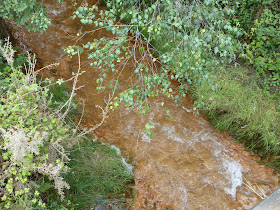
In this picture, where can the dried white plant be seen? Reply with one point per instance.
(19, 143)
(8, 52)
(54, 172)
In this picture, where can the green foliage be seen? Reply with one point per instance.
(26, 12)
(58, 95)
(6, 73)
(148, 127)
(260, 20)
(4, 80)
(85, 14)
(31, 139)
(98, 176)
(190, 40)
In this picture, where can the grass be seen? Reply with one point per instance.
(98, 176)
(250, 114)
(59, 95)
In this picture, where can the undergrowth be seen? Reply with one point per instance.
(97, 177)
(59, 95)
(238, 105)
(36, 133)
(32, 136)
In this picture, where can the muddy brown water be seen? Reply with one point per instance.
(187, 164)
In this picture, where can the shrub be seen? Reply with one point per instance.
(34, 133)
(259, 19)
(32, 136)
(25, 12)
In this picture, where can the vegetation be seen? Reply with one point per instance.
(239, 106)
(25, 12)
(32, 137)
(259, 20)
(227, 52)
(194, 42)
(98, 176)
(35, 136)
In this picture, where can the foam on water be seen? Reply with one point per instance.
(128, 166)
(171, 133)
(61, 9)
(234, 172)
(116, 149)
(184, 195)
(146, 138)
(186, 109)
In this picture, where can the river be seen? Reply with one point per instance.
(187, 164)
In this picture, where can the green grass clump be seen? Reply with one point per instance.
(97, 177)
(241, 107)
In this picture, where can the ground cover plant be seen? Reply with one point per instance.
(241, 107)
(36, 137)
(98, 176)
(259, 21)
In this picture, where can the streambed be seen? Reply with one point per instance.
(186, 164)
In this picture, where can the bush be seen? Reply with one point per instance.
(29, 13)
(32, 137)
(34, 132)
(259, 19)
